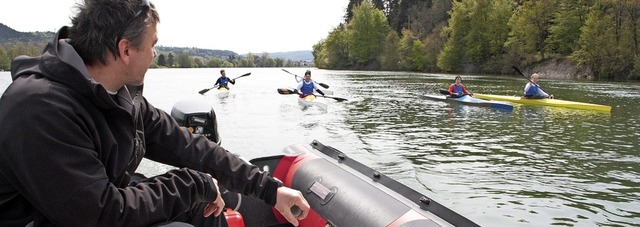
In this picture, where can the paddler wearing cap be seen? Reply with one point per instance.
(307, 86)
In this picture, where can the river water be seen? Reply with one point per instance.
(534, 166)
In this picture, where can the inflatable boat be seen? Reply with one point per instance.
(340, 190)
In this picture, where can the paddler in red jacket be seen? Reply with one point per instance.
(457, 89)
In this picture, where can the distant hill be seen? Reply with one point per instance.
(10, 36)
(303, 55)
(192, 51)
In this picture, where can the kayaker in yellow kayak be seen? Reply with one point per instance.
(532, 89)
(223, 80)
(457, 89)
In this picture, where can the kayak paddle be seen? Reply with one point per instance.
(207, 89)
(321, 84)
(286, 91)
(518, 70)
(446, 92)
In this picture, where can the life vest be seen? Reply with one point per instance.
(307, 88)
(458, 89)
(534, 90)
(223, 81)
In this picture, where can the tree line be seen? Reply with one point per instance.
(486, 36)
(169, 60)
(165, 59)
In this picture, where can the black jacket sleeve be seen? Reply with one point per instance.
(173, 145)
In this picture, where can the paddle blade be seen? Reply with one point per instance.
(285, 91)
(445, 92)
(335, 98)
(243, 75)
(204, 91)
(324, 85)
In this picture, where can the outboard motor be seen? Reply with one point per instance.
(198, 117)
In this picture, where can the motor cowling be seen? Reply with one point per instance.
(198, 117)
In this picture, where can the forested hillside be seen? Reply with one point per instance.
(9, 35)
(486, 36)
(14, 43)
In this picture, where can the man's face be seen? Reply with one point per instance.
(143, 56)
(307, 77)
(223, 73)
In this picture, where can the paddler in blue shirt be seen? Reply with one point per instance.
(223, 80)
(457, 89)
(307, 86)
(533, 90)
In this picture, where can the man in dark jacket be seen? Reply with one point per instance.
(75, 127)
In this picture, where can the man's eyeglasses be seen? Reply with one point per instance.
(143, 8)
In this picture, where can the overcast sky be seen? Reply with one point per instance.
(241, 26)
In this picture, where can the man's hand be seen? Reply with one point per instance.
(217, 206)
(286, 199)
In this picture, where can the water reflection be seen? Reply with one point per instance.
(535, 166)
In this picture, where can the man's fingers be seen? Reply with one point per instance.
(220, 204)
(209, 210)
(290, 217)
(217, 206)
(295, 210)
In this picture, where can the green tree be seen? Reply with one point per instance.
(162, 60)
(418, 55)
(635, 72)
(497, 34)
(215, 62)
(530, 28)
(270, 62)
(597, 32)
(390, 58)
(170, 60)
(332, 52)
(564, 32)
(197, 62)
(366, 30)
(433, 45)
(184, 61)
(5, 62)
(607, 40)
(452, 54)
(280, 62)
(476, 39)
(405, 48)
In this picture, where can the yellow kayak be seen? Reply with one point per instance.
(545, 102)
(223, 92)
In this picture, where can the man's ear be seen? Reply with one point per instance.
(124, 48)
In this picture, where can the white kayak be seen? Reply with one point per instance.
(312, 100)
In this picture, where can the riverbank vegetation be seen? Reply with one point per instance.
(601, 37)
(14, 43)
(170, 57)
